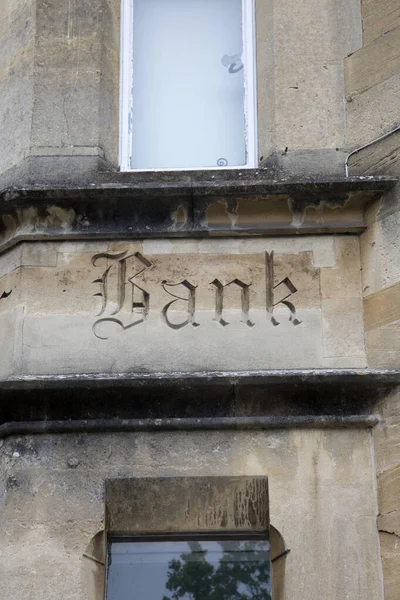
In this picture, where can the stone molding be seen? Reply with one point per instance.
(321, 398)
(124, 206)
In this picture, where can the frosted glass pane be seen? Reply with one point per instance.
(225, 570)
(188, 84)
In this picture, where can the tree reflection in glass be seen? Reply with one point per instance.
(195, 570)
(238, 570)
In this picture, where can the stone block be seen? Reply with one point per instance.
(10, 291)
(381, 158)
(39, 255)
(295, 108)
(66, 109)
(380, 252)
(383, 346)
(350, 34)
(11, 326)
(16, 114)
(342, 326)
(373, 63)
(66, 249)
(16, 80)
(380, 359)
(367, 115)
(308, 116)
(286, 164)
(360, 538)
(265, 72)
(389, 490)
(67, 344)
(16, 33)
(190, 504)
(36, 555)
(67, 66)
(10, 260)
(357, 362)
(390, 523)
(63, 166)
(59, 81)
(38, 496)
(322, 249)
(387, 444)
(382, 308)
(378, 18)
(343, 281)
(69, 286)
(57, 20)
(390, 405)
(107, 302)
(390, 550)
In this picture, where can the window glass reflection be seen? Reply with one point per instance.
(193, 570)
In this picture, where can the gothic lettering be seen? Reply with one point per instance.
(190, 301)
(270, 287)
(121, 294)
(244, 299)
(142, 306)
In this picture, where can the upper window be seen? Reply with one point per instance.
(190, 568)
(188, 84)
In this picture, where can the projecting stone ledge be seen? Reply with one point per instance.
(122, 206)
(242, 399)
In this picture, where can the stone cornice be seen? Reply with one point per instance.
(268, 394)
(128, 206)
(359, 378)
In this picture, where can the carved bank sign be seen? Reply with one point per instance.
(184, 305)
(123, 289)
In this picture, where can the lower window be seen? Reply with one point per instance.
(189, 567)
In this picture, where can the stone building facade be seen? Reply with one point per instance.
(201, 351)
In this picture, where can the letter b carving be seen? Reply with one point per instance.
(120, 262)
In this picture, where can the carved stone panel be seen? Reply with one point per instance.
(185, 305)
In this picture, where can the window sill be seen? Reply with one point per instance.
(184, 204)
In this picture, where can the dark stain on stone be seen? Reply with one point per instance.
(5, 295)
(12, 483)
(172, 204)
(251, 513)
(224, 519)
(180, 215)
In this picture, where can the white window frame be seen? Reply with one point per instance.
(126, 87)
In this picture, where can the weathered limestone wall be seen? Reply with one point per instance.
(321, 488)
(381, 284)
(76, 52)
(387, 453)
(373, 83)
(372, 74)
(17, 48)
(379, 18)
(301, 48)
(380, 255)
(212, 305)
(60, 74)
